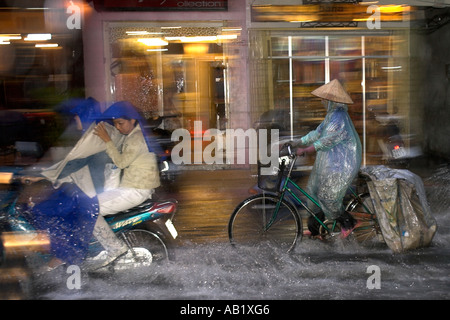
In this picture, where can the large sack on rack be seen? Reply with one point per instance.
(401, 207)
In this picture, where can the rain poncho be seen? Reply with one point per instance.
(88, 111)
(124, 108)
(338, 159)
(69, 214)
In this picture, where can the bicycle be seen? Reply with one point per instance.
(272, 216)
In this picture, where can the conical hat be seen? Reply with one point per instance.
(333, 91)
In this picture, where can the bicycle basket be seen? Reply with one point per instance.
(270, 182)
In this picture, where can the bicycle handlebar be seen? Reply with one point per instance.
(287, 150)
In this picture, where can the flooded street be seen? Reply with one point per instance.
(208, 268)
(109, 95)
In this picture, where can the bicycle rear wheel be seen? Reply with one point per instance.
(254, 222)
(361, 208)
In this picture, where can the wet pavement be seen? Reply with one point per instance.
(206, 200)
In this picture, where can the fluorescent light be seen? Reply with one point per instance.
(38, 37)
(137, 32)
(157, 50)
(227, 29)
(11, 36)
(140, 33)
(195, 39)
(46, 45)
(153, 42)
(4, 38)
(227, 36)
(392, 68)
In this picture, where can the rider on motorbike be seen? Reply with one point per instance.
(130, 152)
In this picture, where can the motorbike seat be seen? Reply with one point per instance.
(147, 204)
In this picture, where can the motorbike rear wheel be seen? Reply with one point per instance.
(148, 251)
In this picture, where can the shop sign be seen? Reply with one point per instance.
(331, 13)
(160, 5)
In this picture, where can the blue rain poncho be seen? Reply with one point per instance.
(70, 212)
(68, 215)
(338, 159)
(88, 111)
(124, 109)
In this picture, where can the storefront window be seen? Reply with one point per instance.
(373, 68)
(173, 70)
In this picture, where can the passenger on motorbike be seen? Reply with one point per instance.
(131, 152)
(139, 177)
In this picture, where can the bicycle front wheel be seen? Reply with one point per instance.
(256, 221)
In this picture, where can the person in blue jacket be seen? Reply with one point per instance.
(338, 157)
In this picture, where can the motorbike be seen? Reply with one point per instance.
(147, 229)
(169, 170)
(395, 151)
(396, 148)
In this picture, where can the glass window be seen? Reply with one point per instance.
(279, 46)
(344, 46)
(167, 70)
(373, 69)
(308, 46)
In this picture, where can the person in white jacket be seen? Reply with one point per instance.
(139, 173)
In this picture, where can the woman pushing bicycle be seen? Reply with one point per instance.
(338, 158)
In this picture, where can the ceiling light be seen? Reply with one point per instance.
(157, 50)
(153, 42)
(38, 37)
(46, 45)
(11, 36)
